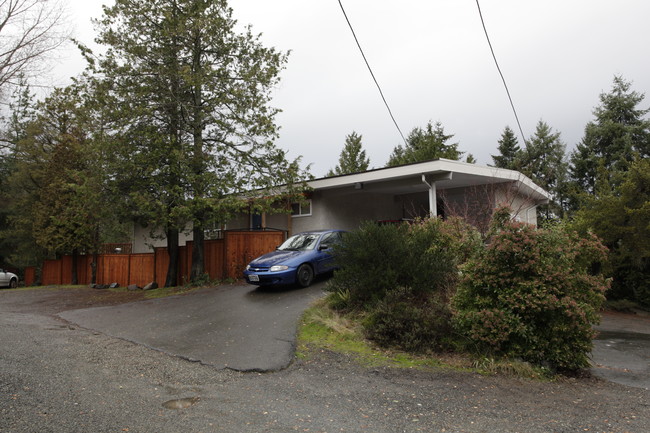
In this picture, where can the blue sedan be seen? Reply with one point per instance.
(297, 261)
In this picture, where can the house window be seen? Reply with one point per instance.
(301, 209)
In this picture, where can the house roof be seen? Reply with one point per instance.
(447, 174)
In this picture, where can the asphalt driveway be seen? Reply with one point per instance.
(238, 327)
(621, 351)
(242, 328)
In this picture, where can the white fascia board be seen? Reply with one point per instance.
(428, 168)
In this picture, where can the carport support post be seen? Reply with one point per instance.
(433, 198)
(430, 180)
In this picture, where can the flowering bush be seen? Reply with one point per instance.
(529, 294)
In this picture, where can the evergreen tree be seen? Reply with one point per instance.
(21, 114)
(509, 150)
(544, 161)
(621, 218)
(425, 145)
(194, 97)
(610, 191)
(353, 158)
(57, 184)
(618, 134)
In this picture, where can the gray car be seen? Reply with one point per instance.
(8, 279)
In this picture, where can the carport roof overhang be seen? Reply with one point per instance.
(446, 174)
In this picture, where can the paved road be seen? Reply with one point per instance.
(238, 327)
(621, 351)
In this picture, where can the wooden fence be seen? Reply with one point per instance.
(223, 258)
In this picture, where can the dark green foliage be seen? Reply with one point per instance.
(529, 294)
(353, 158)
(544, 161)
(372, 260)
(425, 145)
(609, 194)
(509, 150)
(409, 321)
(621, 217)
(423, 257)
(618, 134)
(403, 276)
(192, 124)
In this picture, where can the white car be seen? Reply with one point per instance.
(8, 279)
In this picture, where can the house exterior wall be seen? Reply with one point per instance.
(144, 242)
(346, 211)
(523, 208)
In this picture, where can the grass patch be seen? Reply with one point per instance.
(509, 367)
(324, 328)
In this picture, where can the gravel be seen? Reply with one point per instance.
(55, 377)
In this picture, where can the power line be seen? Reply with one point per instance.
(500, 73)
(371, 73)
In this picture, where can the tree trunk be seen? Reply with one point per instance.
(93, 270)
(75, 278)
(198, 265)
(172, 251)
(198, 163)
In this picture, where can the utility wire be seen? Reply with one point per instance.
(371, 73)
(500, 73)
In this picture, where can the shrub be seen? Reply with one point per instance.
(424, 257)
(403, 276)
(529, 295)
(409, 321)
(371, 261)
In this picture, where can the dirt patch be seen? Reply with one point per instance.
(54, 300)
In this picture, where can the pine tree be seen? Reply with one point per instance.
(425, 145)
(544, 161)
(57, 186)
(193, 97)
(617, 135)
(610, 187)
(621, 218)
(509, 150)
(353, 158)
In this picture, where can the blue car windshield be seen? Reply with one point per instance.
(301, 242)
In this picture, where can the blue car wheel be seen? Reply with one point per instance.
(304, 275)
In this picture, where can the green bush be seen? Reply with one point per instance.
(370, 261)
(403, 276)
(529, 294)
(424, 257)
(409, 321)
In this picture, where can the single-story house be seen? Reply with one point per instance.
(438, 187)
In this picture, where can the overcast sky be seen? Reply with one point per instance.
(433, 62)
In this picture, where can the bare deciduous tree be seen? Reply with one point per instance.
(29, 31)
